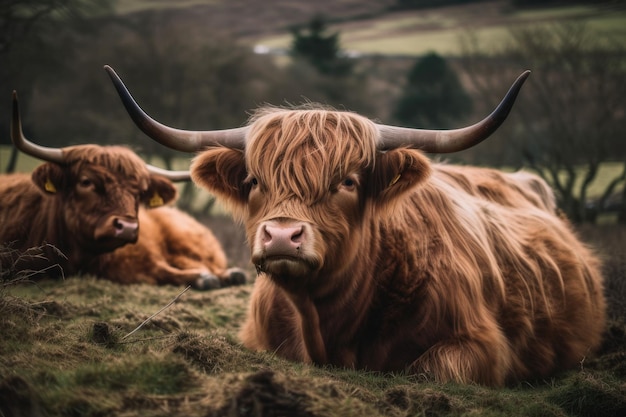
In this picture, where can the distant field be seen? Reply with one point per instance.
(366, 26)
(24, 162)
(130, 6)
(419, 31)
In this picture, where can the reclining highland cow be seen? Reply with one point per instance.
(93, 209)
(371, 256)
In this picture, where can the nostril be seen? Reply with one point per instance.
(122, 226)
(297, 235)
(117, 227)
(267, 236)
(118, 224)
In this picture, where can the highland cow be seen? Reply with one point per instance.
(81, 211)
(371, 256)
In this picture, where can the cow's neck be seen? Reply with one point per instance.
(311, 330)
(56, 233)
(336, 315)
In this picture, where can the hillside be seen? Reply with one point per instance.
(369, 27)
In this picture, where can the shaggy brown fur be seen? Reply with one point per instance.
(507, 188)
(173, 248)
(395, 263)
(73, 206)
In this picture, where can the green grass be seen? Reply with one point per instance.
(63, 350)
(25, 163)
(606, 173)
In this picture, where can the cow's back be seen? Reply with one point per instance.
(514, 189)
(22, 212)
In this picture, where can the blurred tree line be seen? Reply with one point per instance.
(569, 118)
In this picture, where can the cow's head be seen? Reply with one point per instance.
(303, 180)
(304, 184)
(97, 189)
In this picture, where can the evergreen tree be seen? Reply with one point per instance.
(434, 97)
(320, 49)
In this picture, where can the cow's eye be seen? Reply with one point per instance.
(349, 184)
(251, 182)
(85, 182)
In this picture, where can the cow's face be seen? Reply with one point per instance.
(98, 190)
(306, 187)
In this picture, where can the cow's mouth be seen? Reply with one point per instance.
(109, 244)
(290, 266)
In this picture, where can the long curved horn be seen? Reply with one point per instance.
(174, 176)
(447, 141)
(26, 146)
(182, 140)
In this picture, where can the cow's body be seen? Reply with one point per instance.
(173, 248)
(370, 256)
(468, 291)
(464, 274)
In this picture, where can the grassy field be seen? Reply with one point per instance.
(67, 350)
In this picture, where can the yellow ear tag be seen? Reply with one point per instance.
(156, 200)
(395, 180)
(49, 187)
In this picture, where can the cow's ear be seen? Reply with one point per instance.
(160, 191)
(222, 171)
(49, 178)
(397, 172)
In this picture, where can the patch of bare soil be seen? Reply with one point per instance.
(264, 394)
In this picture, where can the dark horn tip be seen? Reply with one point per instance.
(502, 110)
(15, 105)
(524, 75)
(522, 78)
(111, 72)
